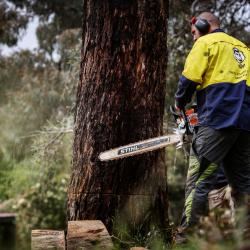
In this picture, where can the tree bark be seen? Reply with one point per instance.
(120, 100)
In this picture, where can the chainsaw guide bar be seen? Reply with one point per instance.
(139, 147)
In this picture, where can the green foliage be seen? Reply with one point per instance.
(198, 243)
(38, 184)
(46, 37)
(12, 23)
(34, 90)
(67, 14)
(5, 171)
(125, 237)
(44, 206)
(54, 18)
(37, 97)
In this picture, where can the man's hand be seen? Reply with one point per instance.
(178, 107)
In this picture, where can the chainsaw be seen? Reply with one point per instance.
(185, 123)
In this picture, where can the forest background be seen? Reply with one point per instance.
(37, 98)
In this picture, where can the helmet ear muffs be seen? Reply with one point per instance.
(202, 25)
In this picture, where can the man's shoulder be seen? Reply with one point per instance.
(220, 37)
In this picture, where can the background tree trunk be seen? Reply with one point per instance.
(120, 100)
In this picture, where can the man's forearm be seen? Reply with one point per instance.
(185, 91)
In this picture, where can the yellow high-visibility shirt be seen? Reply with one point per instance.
(217, 67)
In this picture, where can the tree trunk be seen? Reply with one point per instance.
(120, 100)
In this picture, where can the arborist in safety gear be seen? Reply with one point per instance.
(217, 70)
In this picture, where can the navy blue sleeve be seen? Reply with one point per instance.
(185, 91)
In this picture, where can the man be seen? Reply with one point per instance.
(217, 69)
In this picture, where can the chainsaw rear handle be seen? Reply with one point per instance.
(183, 112)
(180, 113)
(174, 112)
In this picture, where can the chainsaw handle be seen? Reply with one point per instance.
(183, 112)
(173, 111)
